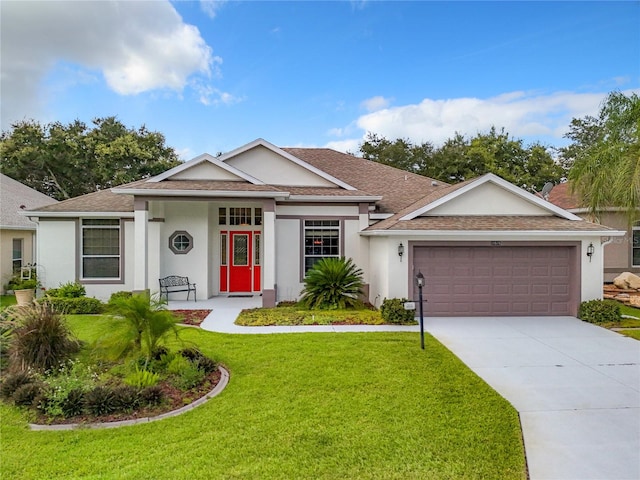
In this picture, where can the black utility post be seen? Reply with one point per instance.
(420, 282)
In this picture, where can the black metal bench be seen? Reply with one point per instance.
(176, 283)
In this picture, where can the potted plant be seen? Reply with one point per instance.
(24, 285)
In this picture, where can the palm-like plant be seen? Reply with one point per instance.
(147, 324)
(333, 283)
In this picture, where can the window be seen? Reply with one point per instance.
(180, 242)
(635, 244)
(243, 216)
(100, 248)
(17, 254)
(256, 249)
(321, 240)
(223, 249)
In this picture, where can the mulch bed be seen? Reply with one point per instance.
(174, 398)
(192, 317)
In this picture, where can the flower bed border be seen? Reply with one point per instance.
(224, 380)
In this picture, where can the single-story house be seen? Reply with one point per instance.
(17, 232)
(623, 253)
(256, 219)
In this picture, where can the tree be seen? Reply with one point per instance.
(604, 157)
(460, 159)
(65, 161)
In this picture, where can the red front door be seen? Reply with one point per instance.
(241, 264)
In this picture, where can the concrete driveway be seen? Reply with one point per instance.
(575, 385)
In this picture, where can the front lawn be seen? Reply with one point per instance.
(314, 405)
(7, 300)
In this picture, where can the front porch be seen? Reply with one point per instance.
(224, 309)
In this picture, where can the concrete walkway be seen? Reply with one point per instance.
(576, 386)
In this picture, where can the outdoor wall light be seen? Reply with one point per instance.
(590, 251)
(400, 250)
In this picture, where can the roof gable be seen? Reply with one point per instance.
(488, 195)
(205, 167)
(16, 197)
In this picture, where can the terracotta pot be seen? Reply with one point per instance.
(24, 297)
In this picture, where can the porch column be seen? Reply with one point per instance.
(269, 246)
(141, 237)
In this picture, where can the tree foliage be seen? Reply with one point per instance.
(64, 161)
(461, 158)
(604, 156)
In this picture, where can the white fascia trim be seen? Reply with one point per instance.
(81, 214)
(380, 216)
(262, 142)
(15, 227)
(333, 199)
(494, 234)
(205, 157)
(198, 193)
(490, 177)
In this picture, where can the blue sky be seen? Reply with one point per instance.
(213, 76)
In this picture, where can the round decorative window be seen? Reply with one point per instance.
(180, 242)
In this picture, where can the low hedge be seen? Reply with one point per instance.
(392, 310)
(600, 311)
(288, 315)
(75, 306)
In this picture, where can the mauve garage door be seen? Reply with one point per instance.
(501, 280)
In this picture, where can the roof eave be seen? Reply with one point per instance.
(492, 233)
(199, 193)
(335, 198)
(40, 214)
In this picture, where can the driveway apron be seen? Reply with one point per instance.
(576, 387)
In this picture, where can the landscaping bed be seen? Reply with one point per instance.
(191, 317)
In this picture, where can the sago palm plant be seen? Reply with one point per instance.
(333, 283)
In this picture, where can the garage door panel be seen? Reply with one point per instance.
(502, 280)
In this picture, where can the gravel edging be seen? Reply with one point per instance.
(224, 380)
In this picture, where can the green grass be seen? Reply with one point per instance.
(7, 300)
(630, 333)
(627, 310)
(313, 405)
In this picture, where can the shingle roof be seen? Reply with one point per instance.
(562, 196)
(14, 197)
(493, 223)
(102, 201)
(397, 187)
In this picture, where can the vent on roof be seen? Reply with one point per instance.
(22, 207)
(434, 184)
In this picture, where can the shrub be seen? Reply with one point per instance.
(100, 401)
(126, 397)
(142, 378)
(599, 311)
(178, 364)
(13, 382)
(75, 306)
(188, 377)
(41, 340)
(71, 290)
(392, 311)
(26, 394)
(72, 404)
(52, 292)
(333, 283)
(206, 364)
(191, 353)
(151, 395)
(115, 296)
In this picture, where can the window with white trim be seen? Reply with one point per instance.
(17, 254)
(100, 249)
(321, 240)
(635, 244)
(240, 216)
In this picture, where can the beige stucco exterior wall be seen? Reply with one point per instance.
(6, 248)
(273, 169)
(618, 255)
(488, 199)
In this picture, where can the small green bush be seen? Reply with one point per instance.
(189, 377)
(75, 306)
(151, 395)
(142, 378)
(52, 292)
(26, 394)
(100, 401)
(206, 364)
(392, 311)
(72, 290)
(178, 364)
(191, 353)
(115, 296)
(13, 382)
(333, 284)
(73, 403)
(600, 311)
(127, 398)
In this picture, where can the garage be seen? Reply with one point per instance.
(499, 279)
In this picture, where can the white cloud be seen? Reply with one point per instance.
(375, 103)
(138, 47)
(211, 7)
(527, 115)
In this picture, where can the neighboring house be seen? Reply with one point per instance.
(254, 220)
(622, 254)
(17, 232)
